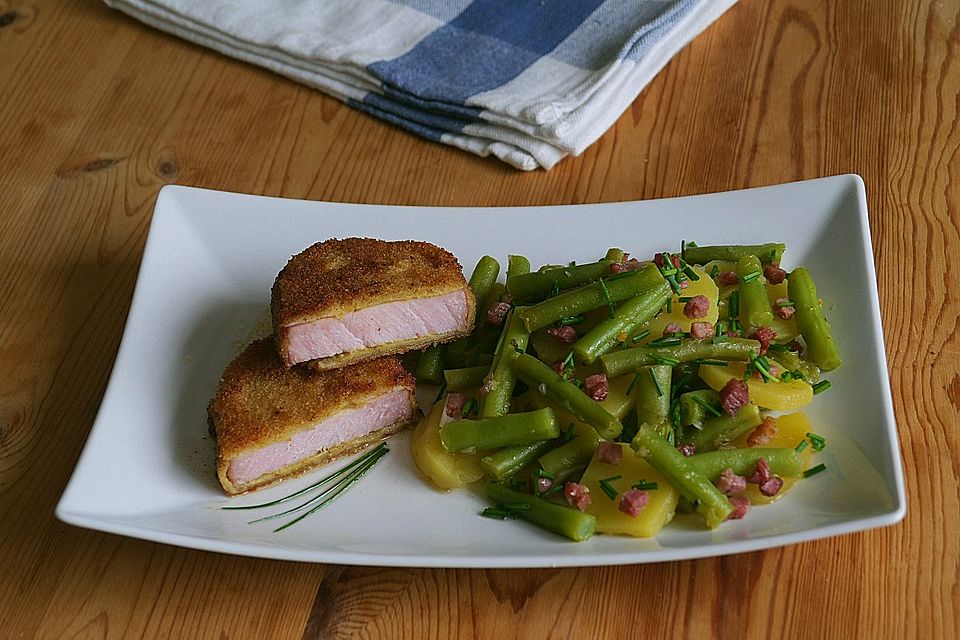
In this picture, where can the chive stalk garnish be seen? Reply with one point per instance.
(570, 320)
(645, 485)
(468, 407)
(608, 488)
(555, 488)
(713, 363)
(666, 360)
(812, 471)
(516, 506)
(778, 347)
(786, 376)
(786, 304)
(823, 385)
(818, 441)
(640, 336)
(496, 514)
(750, 277)
(327, 496)
(568, 361)
(801, 446)
(684, 298)
(655, 383)
(718, 336)
(543, 473)
(761, 365)
(714, 271)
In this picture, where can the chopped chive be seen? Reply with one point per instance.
(570, 320)
(568, 361)
(706, 405)
(818, 441)
(771, 256)
(713, 363)
(665, 341)
(497, 514)
(633, 383)
(823, 385)
(733, 309)
(684, 298)
(640, 336)
(667, 360)
(762, 366)
(606, 295)
(786, 376)
(655, 383)
(690, 273)
(470, 405)
(798, 374)
(555, 488)
(812, 471)
(543, 473)
(718, 336)
(714, 271)
(669, 305)
(786, 304)
(683, 249)
(516, 506)
(777, 346)
(801, 446)
(750, 277)
(645, 485)
(608, 488)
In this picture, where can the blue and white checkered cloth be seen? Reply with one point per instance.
(529, 81)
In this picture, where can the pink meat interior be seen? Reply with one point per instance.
(380, 412)
(376, 325)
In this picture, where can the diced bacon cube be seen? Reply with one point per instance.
(596, 386)
(773, 273)
(697, 307)
(610, 453)
(734, 395)
(764, 432)
(577, 495)
(565, 334)
(455, 403)
(730, 483)
(740, 507)
(671, 329)
(633, 501)
(701, 329)
(727, 278)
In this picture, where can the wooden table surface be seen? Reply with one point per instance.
(97, 112)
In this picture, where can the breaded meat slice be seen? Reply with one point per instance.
(343, 301)
(272, 422)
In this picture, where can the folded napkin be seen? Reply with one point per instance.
(529, 81)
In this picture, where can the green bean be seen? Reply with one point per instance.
(557, 518)
(483, 277)
(591, 296)
(693, 406)
(502, 431)
(693, 485)
(430, 364)
(733, 253)
(652, 391)
(755, 308)
(630, 315)
(506, 462)
(618, 363)
(784, 462)
(615, 255)
(533, 287)
(821, 350)
(465, 378)
(503, 378)
(517, 265)
(723, 429)
(567, 395)
(571, 455)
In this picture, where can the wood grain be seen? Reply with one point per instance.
(98, 112)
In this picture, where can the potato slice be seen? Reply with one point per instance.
(659, 510)
(791, 430)
(777, 395)
(443, 469)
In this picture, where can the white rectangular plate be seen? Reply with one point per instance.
(148, 466)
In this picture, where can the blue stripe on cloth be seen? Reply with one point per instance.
(432, 119)
(490, 43)
(427, 132)
(443, 10)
